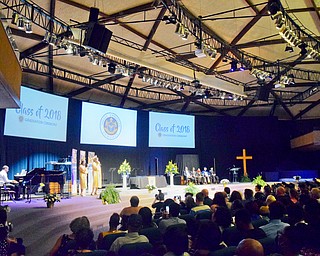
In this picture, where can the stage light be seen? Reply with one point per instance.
(69, 49)
(273, 6)
(206, 93)
(21, 23)
(170, 19)
(289, 48)
(28, 27)
(15, 17)
(233, 66)
(303, 47)
(242, 68)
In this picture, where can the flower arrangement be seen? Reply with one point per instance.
(259, 181)
(224, 182)
(51, 198)
(124, 168)
(150, 187)
(297, 178)
(110, 195)
(171, 168)
(191, 188)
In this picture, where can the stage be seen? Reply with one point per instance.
(40, 226)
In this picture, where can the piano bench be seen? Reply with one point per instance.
(7, 194)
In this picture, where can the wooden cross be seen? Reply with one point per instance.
(244, 158)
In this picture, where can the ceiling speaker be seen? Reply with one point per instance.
(97, 37)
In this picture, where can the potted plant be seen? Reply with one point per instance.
(110, 195)
(259, 181)
(171, 169)
(124, 170)
(224, 182)
(150, 187)
(245, 178)
(191, 188)
(50, 199)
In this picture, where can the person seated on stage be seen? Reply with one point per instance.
(158, 203)
(171, 218)
(134, 225)
(207, 200)
(113, 228)
(200, 206)
(146, 215)
(213, 175)
(8, 245)
(188, 175)
(205, 176)
(11, 184)
(249, 247)
(127, 211)
(66, 241)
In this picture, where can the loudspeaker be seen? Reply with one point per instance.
(97, 37)
(263, 93)
(94, 13)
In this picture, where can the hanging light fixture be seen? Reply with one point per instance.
(288, 48)
(233, 66)
(21, 23)
(28, 27)
(15, 18)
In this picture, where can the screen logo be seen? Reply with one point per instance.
(110, 126)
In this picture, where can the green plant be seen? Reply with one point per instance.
(171, 168)
(150, 187)
(191, 188)
(245, 179)
(124, 168)
(51, 198)
(110, 195)
(259, 181)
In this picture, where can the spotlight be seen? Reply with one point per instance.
(223, 96)
(47, 37)
(69, 49)
(185, 34)
(170, 19)
(15, 17)
(206, 94)
(20, 23)
(288, 48)
(242, 68)
(182, 84)
(234, 66)
(112, 68)
(273, 6)
(53, 40)
(28, 26)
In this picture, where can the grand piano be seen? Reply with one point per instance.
(33, 178)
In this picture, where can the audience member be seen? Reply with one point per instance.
(66, 241)
(113, 228)
(227, 191)
(275, 225)
(174, 210)
(294, 196)
(84, 241)
(282, 196)
(158, 204)
(207, 200)
(127, 211)
(187, 205)
(253, 208)
(134, 225)
(249, 247)
(248, 196)
(222, 217)
(234, 196)
(200, 207)
(315, 194)
(236, 205)
(176, 242)
(146, 215)
(219, 199)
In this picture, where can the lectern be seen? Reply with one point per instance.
(233, 172)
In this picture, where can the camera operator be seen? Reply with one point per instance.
(158, 203)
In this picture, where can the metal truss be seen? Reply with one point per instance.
(34, 13)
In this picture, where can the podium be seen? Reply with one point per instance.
(233, 173)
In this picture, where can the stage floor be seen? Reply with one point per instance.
(40, 226)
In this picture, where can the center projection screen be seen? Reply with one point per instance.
(103, 125)
(171, 130)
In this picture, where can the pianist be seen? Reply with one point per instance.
(11, 184)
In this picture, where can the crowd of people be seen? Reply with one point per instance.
(283, 219)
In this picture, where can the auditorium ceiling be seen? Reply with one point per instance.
(175, 56)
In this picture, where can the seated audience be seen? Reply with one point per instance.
(227, 191)
(63, 243)
(127, 211)
(294, 196)
(84, 240)
(207, 200)
(113, 228)
(234, 196)
(315, 194)
(171, 218)
(282, 196)
(9, 245)
(249, 247)
(208, 238)
(248, 196)
(176, 242)
(222, 217)
(275, 225)
(158, 204)
(187, 205)
(253, 208)
(200, 207)
(146, 215)
(219, 199)
(134, 225)
(236, 205)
